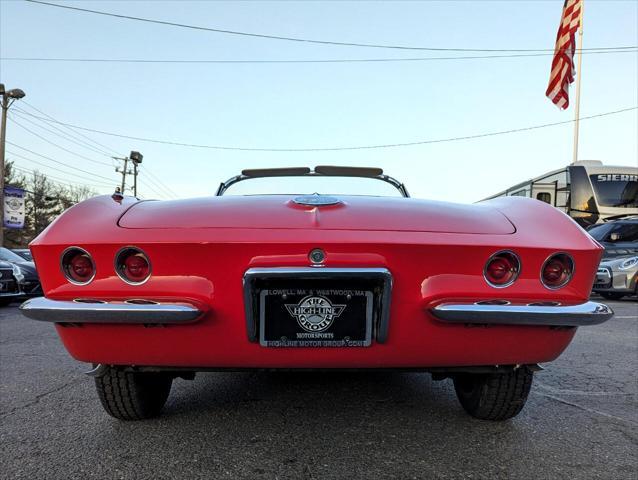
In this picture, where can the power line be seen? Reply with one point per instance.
(157, 188)
(61, 163)
(79, 155)
(49, 178)
(95, 184)
(69, 129)
(157, 182)
(58, 132)
(292, 61)
(151, 188)
(98, 183)
(144, 185)
(344, 148)
(68, 132)
(299, 39)
(52, 119)
(56, 179)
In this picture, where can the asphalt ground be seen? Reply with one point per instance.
(581, 420)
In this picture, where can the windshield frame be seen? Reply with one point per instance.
(320, 170)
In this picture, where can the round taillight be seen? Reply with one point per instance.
(78, 266)
(557, 271)
(132, 265)
(502, 269)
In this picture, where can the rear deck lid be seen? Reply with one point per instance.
(349, 213)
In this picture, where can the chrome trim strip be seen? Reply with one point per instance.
(314, 273)
(588, 313)
(70, 311)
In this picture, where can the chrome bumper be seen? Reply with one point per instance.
(588, 313)
(96, 311)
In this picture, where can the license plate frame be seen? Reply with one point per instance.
(319, 303)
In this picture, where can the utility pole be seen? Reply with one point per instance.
(8, 97)
(123, 171)
(136, 159)
(134, 179)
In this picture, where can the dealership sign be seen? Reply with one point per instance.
(13, 207)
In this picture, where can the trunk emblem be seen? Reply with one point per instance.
(317, 256)
(316, 200)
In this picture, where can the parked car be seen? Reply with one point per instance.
(29, 281)
(619, 237)
(281, 277)
(617, 277)
(9, 290)
(24, 253)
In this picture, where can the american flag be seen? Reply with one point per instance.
(563, 69)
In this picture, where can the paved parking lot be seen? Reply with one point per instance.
(581, 420)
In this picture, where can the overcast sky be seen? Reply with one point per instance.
(318, 104)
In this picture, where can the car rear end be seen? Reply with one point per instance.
(481, 294)
(255, 296)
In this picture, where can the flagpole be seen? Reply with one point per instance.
(579, 73)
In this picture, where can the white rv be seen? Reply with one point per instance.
(588, 191)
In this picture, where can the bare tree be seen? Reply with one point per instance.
(45, 200)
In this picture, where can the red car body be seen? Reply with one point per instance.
(201, 249)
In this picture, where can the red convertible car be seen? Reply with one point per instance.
(149, 291)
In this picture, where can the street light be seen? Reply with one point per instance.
(136, 157)
(8, 97)
(14, 93)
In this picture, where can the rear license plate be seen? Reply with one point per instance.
(315, 318)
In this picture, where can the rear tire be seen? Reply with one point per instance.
(494, 396)
(133, 395)
(612, 295)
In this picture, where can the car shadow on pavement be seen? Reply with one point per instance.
(286, 424)
(363, 425)
(315, 394)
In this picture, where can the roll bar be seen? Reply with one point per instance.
(320, 170)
